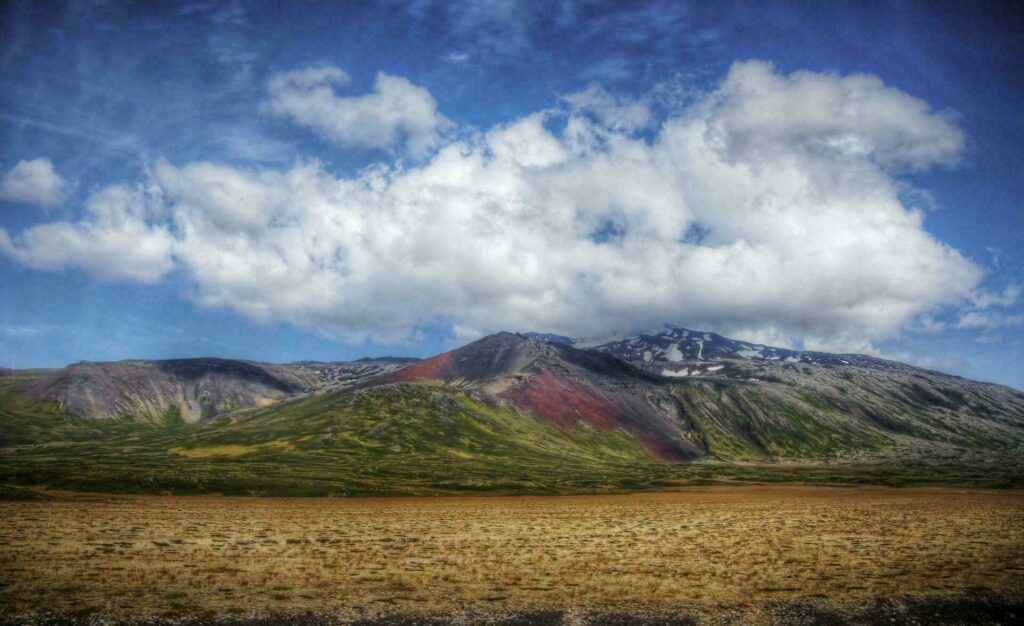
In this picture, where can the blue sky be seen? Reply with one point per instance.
(449, 196)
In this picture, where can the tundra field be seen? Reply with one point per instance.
(705, 554)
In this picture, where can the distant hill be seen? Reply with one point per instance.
(192, 389)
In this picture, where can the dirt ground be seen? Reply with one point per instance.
(702, 555)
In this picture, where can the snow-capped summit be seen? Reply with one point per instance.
(704, 352)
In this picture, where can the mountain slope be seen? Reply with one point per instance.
(755, 401)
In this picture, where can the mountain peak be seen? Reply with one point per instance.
(549, 338)
(493, 356)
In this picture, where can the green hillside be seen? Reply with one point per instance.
(743, 421)
(397, 439)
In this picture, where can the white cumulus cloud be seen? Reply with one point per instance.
(771, 204)
(396, 114)
(33, 182)
(113, 240)
(853, 118)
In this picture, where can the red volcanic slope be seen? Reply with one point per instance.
(567, 402)
(433, 368)
(564, 402)
(550, 392)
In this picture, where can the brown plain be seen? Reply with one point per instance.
(168, 555)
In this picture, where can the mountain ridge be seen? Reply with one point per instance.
(508, 413)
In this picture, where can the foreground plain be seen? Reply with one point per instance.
(696, 550)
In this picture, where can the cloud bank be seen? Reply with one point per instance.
(33, 182)
(771, 205)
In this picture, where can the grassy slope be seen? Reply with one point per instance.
(788, 433)
(829, 414)
(401, 440)
(416, 439)
(741, 422)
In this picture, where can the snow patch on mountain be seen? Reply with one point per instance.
(675, 374)
(674, 344)
(673, 354)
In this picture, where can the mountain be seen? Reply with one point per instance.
(508, 413)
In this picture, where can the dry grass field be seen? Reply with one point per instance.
(170, 556)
